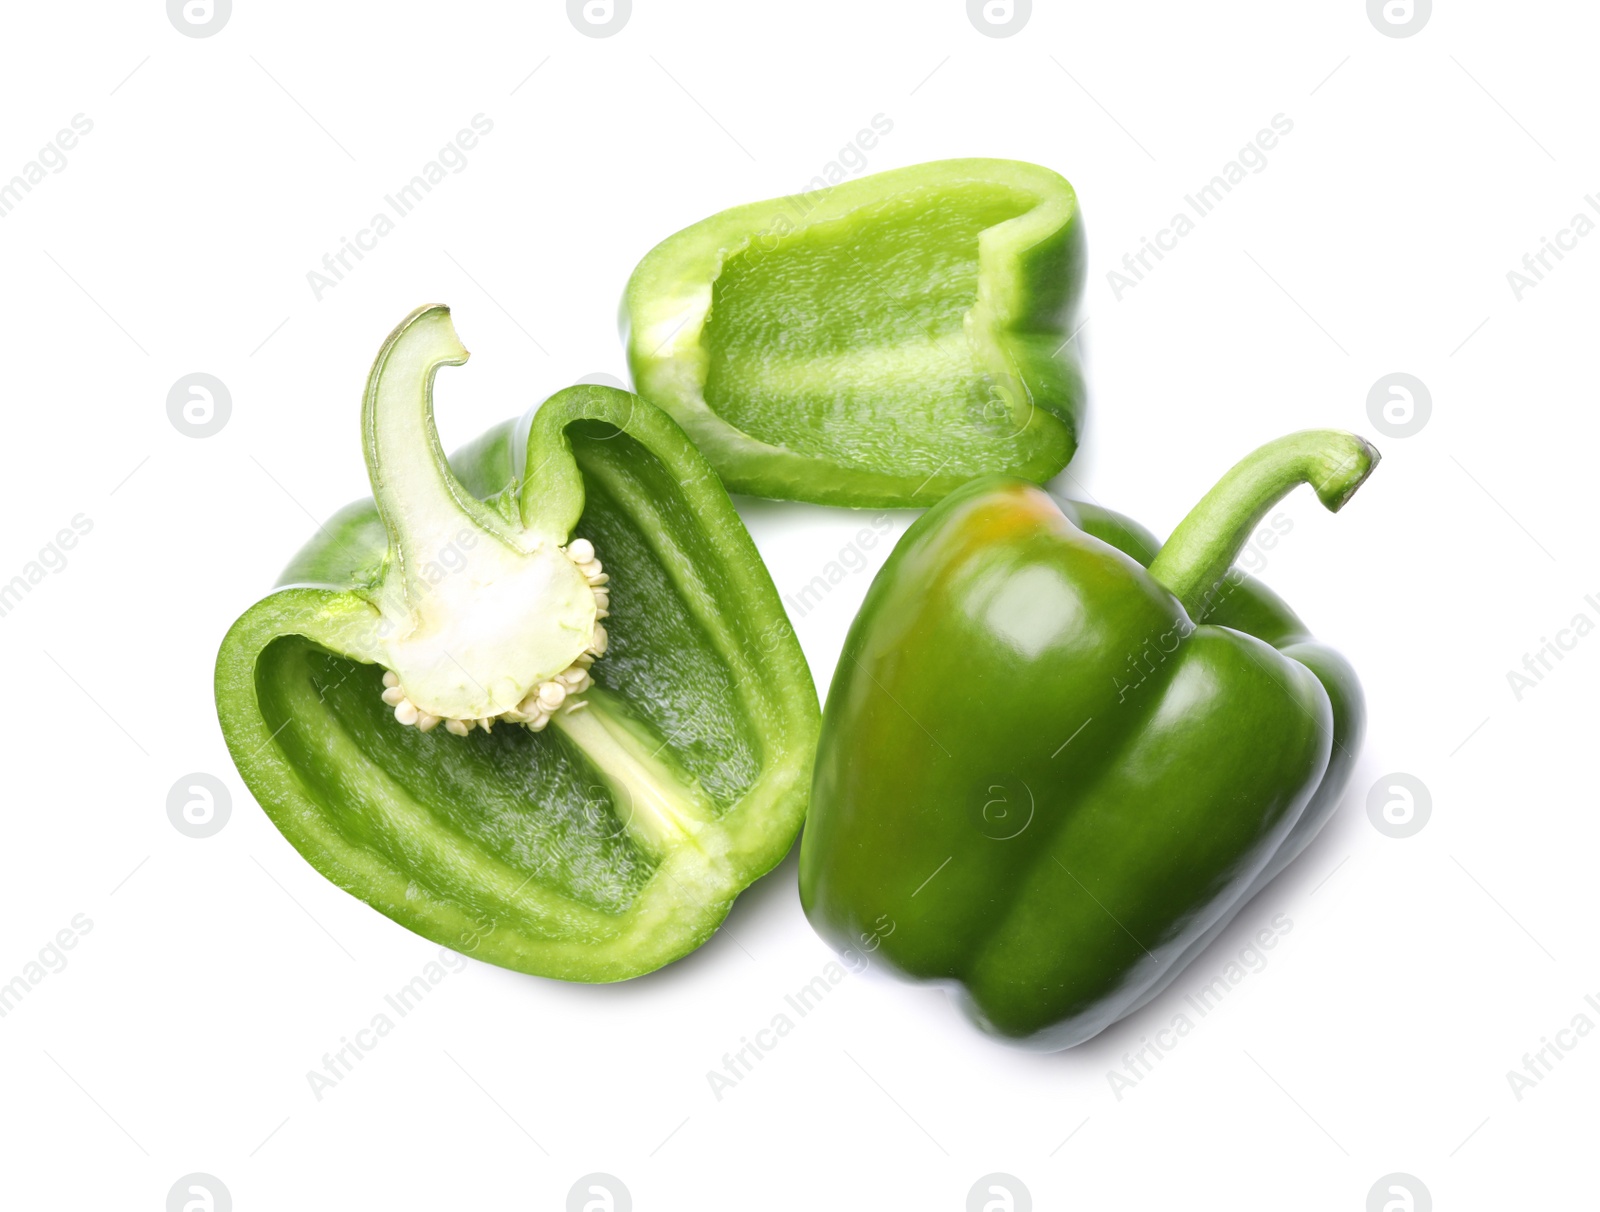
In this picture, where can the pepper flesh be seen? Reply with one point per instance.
(1130, 757)
(616, 839)
(878, 343)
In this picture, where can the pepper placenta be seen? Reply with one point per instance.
(877, 343)
(1056, 761)
(432, 711)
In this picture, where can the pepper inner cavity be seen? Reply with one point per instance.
(812, 336)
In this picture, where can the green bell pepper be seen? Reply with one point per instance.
(877, 343)
(1049, 775)
(598, 793)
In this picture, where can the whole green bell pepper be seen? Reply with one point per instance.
(877, 343)
(432, 712)
(1049, 775)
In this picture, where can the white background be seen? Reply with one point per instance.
(1417, 972)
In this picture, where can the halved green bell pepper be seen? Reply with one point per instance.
(1048, 775)
(877, 343)
(432, 712)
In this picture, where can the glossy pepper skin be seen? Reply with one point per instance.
(1048, 776)
(614, 840)
(876, 343)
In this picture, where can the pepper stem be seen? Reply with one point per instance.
(423, 505)
(1203, 547)
(480, 621)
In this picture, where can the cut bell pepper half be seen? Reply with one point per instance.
(432, 712)
(878, 343)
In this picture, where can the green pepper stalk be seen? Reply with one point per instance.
(1197, 555)
(509, 635)
(610, 832)
(1151, 738)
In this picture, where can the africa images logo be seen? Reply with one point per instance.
(999, 18)
(199, 18)
(599, 18)
(999, 1192)
(1399, 18)
(599, 1192)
